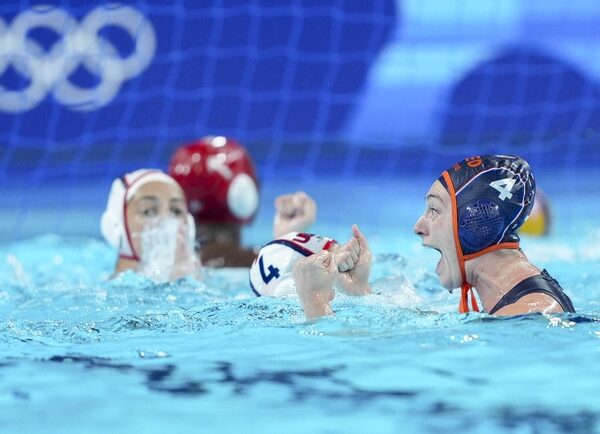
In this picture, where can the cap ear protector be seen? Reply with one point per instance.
(491, 198)
(494, 195)
(480, 223)
(113, 224)
(218, 178)
(242, 196)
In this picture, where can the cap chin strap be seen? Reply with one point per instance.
(466, 289)
(463, 306)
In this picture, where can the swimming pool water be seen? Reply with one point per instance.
(80, 354)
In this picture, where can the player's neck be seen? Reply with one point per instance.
(495, 274)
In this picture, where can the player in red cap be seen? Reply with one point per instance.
(221, 187)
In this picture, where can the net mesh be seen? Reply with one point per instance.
(346, 89)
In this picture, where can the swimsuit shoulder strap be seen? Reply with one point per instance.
(542, 283)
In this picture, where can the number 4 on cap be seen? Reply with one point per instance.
(504, 187)
(273, 271)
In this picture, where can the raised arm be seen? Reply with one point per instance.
(313, 278)
(294, 212)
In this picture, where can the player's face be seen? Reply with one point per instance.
(436, 231)
(153, 203)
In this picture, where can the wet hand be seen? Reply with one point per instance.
(314, 277)
(353, 260)
(294, 212)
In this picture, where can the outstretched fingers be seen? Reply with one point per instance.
(365, 251)
(360, 237)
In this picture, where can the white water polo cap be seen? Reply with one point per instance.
(113, 224)
(271, 272)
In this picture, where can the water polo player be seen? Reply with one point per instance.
(220, 184)
(275, 272)
(147, 221)
(271, 273)
(472, 216)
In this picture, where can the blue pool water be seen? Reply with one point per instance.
(80, 354)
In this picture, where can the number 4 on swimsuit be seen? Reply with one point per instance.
(273, 271)
(504, 187)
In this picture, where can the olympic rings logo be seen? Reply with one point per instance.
(78, 45)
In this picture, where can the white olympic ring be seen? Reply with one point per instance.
(78, 45)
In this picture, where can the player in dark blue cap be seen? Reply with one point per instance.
(472, 216)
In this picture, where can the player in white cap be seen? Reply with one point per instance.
(274, 273)
(147, 221)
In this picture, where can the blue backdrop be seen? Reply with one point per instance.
(109, 88)
(346, 88)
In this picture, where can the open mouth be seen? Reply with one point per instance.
(437, 268)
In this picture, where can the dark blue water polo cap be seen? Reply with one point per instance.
(491, 198)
